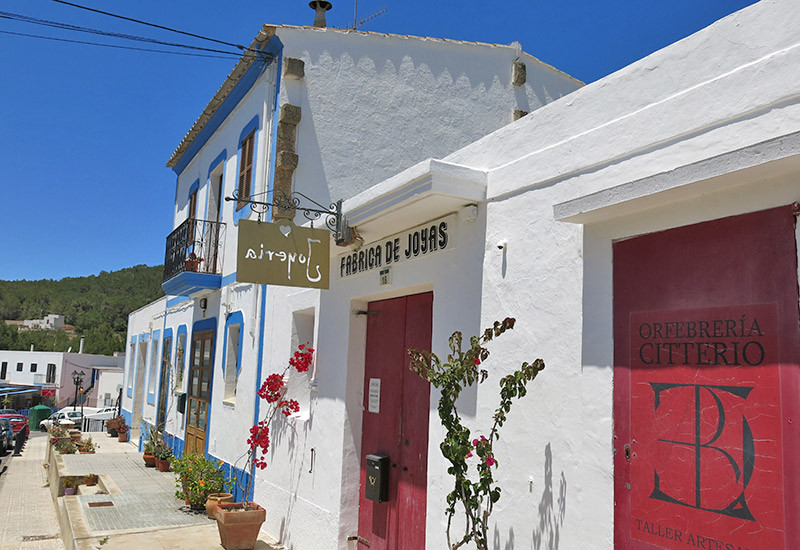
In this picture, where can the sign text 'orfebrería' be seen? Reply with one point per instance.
(411, 244)
(282, 253)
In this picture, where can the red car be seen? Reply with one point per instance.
(18, 423)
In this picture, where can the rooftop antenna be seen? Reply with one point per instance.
(357, 23)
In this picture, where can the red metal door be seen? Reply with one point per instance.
(395, 422)
(706, 356)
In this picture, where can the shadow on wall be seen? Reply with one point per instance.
(551, 514)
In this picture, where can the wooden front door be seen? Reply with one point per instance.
(706, 357)
(199, 391)
(395, 422)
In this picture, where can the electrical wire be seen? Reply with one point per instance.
(76, 28)
(170, 29)
(229, 56)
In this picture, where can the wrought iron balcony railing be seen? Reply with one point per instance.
(194, 246)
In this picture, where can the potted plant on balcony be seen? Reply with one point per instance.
(239, 522)
(90, 480)
(192, 263)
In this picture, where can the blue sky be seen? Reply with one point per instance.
(85, 131)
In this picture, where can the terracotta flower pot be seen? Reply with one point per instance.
(122, 437)
(90, 481)
(238, 528)
(162, 465)
(149, 459)
(214, 499)
(191, 265)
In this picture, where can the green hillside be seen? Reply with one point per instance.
(97, 306)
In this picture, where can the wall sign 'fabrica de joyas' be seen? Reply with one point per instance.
(423, 240)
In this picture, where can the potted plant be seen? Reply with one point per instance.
(90, 480)
(123, 432)
(112, 423)
(66, 447)
(86, 446)
(147, 454)
(75, 435)
(162, 455)
(197, 478)
(192, 262)
(239, 522)
(70, 486)
(57, 433)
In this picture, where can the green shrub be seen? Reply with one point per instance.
(198, 477)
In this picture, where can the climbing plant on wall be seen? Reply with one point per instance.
(472, 459)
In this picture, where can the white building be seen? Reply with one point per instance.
(33, 377)
(642, 231)
(50, 322)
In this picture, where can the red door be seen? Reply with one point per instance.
(395, 422)
(706, 355)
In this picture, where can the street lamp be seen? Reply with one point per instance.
(77, 378)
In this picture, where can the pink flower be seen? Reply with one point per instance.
(469, 454)
(474, 442)
(490, 461)
(477, 361)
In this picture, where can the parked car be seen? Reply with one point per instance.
(19, 424)
(6, 435)
(103, 414)
(72, 416)
(8, 411)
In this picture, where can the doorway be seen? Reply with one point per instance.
(199, 391)
(706, 356)
(395, 421)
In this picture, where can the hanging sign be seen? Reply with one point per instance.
(422, 241)
(282, 253)
(374, 395)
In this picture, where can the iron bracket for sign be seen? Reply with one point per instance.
(334, 219)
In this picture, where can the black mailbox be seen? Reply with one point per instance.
(377, 483)
(182, 403)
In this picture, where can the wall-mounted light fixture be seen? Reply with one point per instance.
(203, 303)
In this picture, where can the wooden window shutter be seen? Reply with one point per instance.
(246, 167)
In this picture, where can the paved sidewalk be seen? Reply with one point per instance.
(143, 510)
(27, 518)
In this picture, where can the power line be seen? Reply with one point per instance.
(66, 26)
(228, 56)
(170, 29)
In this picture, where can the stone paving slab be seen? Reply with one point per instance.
(138, 511)
(27, 518)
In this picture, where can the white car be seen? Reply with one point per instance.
(102, 414)
(72, 416)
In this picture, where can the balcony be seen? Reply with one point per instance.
(193, 259)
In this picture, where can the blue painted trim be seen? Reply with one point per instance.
(206, 324)
(131, 369)
(177, 300)
(128, 415)
(228, 279)
(187, 345)
(261, 331)
(192, 188)
(244, 211)
(214, 163)
(235, 318)
(242, 476)
(167, 334)
(187, 283)
(229, 104)
(152, 370)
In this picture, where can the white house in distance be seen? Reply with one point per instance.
(32, 377)
(642, 231)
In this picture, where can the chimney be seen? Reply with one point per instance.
(80, 349)
(31, 347)
(320, 6)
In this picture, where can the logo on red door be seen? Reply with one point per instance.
(706, 465)
(717, 451)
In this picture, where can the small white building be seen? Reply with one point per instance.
(50, 322)
(642, 231)
(33, 377)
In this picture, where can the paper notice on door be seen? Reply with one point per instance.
(374, 395)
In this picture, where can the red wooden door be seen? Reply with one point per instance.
(706, 355)
(395, 422)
